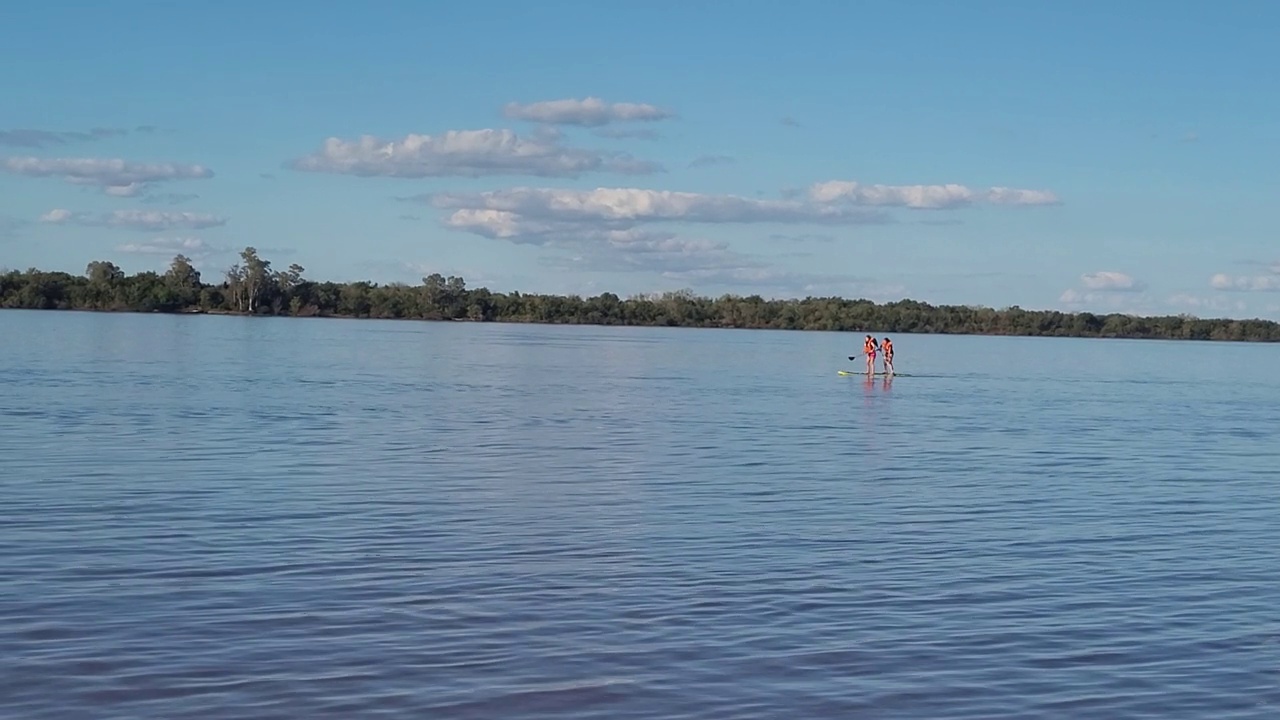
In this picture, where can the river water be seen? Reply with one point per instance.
(221, 517)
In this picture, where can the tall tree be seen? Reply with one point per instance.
(182, 273)
(257, 276)
(236, 286)
(103, 272)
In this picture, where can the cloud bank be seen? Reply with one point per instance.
(1107, 289)
(585, 112)
(115, 177)
(1266, 282)
(709, 160)
(933, 197)
(1188, 301)
(141, 220)
(528, 213)
(618, 229)
(466, 153)
(189, 246)
(1110, 281)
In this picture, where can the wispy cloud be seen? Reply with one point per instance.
(802, 237)
(789, 283)
(1108, 290)
(116, 177)
(141, 220)
(465, 153)
(696, 262)
(523, 211)
(36, 138)
(709, 160)
(931, 197)
(1108, 302)
(1265, 282)
(189, 246)
(615, 133)
(586, 112)
(1189, 301)
(1110, 281)
(203, 255)
(169, 198)
(614, 229)
(641, 250)
(790, 122)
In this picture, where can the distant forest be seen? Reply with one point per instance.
(252, 287)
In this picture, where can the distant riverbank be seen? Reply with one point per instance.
(251, 287)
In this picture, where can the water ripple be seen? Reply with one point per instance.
(223, 518)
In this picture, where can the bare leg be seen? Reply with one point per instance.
(888, 365)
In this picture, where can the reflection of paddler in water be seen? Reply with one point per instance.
(870, 383)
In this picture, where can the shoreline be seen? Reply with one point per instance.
(254, 289)
(517, 321)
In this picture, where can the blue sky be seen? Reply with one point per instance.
(1090, 155)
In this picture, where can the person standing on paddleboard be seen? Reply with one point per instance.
(869, 348)
(887, 348)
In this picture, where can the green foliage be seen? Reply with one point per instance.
(251, 287)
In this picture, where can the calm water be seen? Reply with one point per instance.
(211, 517)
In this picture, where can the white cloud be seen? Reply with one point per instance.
(611, 229)
(189, 246)
(517, 211)
(116, 177)
(704, 264)
(1015, 196)
(465, 153)
(130, 190)
(614, 227)
(1107, 302)
(1110, 281)
(145, 220)
(1246, 283)
(1107, 290)
(57, 215)
(587, 112)
(639, 250)
(1212, 304)
(931, 197)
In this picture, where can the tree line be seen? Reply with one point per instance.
(252, 287)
